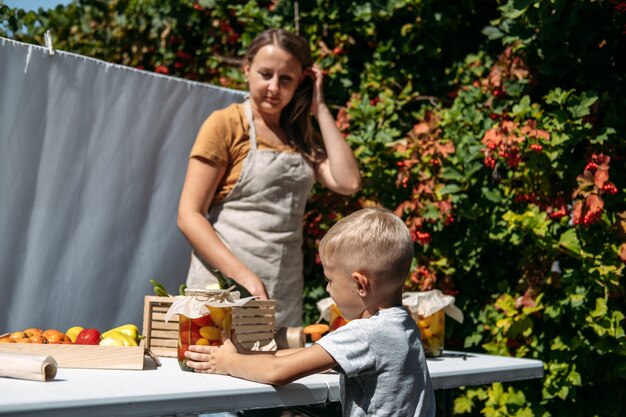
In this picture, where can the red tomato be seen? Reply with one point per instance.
(203, 321)
(86, 337)
(181, 351)
(184, 326)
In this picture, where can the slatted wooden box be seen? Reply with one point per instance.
(254, 322)
(85, 356)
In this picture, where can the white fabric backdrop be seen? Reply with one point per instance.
(92, 159)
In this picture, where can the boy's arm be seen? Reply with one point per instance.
(269, 368)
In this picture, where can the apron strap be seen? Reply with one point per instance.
(247, 108)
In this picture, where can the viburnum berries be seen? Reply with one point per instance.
(591, 167)
(423, 238)
(609, 188)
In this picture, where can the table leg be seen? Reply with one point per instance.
(448, 402)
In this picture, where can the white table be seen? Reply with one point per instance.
(167, 390)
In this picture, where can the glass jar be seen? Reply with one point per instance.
(206, 330)
(432, 332)
(336, 318)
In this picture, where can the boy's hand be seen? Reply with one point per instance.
(210, 359)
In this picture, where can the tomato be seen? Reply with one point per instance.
(85, 337)
(203, 321)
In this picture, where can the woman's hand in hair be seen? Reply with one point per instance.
(318, 88)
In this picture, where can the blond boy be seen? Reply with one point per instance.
(379, 355)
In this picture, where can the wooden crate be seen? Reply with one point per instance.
(84, 356)
(254, 322)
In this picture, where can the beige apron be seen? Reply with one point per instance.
(260, 221)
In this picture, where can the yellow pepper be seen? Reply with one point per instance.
(111, 341)
(72, 332)
(120, 337)
(129, 330)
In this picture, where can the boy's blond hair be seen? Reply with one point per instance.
(373, 241)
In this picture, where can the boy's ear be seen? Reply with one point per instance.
(362, 282)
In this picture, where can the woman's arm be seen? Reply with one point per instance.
(276, 368)
(201, 182)
(339, 171)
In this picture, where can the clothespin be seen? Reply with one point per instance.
(48, 39)
(296, 16)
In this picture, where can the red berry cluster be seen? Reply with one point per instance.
(423, 238)
(424, 278)
(525, 198)
(511, 156)
(490, 162)
(591, 216)
(557, 209)
(609, 188)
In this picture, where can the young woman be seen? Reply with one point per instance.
(251, 171)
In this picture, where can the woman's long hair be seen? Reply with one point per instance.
(295, 118)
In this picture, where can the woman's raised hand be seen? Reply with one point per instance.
(318, 88)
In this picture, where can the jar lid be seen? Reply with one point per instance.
(195, 301)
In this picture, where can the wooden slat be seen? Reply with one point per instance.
(84, 356)
(164, 352)
(172, 343)
(164, 326)
(242, 321)
(253, 338)
(259, 311)
(164, 334)
(267, 328)
(157, 316)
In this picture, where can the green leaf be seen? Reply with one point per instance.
(569, 241)
(463, 405)
(600, 310)
(603, 137)
(492, 195)
(558, 96)
(450, 189)
(582, 108)
(492, 33)
(452, 174)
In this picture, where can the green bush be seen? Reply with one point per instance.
(495, 129)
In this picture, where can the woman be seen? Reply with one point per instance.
(252, 168)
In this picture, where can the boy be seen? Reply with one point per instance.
(366, 257)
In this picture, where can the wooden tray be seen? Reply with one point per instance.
(85, 356)
(254, 322)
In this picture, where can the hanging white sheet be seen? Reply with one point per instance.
(92, 160)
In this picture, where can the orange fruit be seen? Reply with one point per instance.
(55, 336)
(17, 335)
(22, 340)
(33, 331)
(37, 339)
(7, 340)
(50, 332)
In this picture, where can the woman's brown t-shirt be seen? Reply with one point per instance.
(223, 139)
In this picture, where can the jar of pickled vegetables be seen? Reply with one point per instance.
(432, 332)
(429, 310)
(336, 318)
(206, 321)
